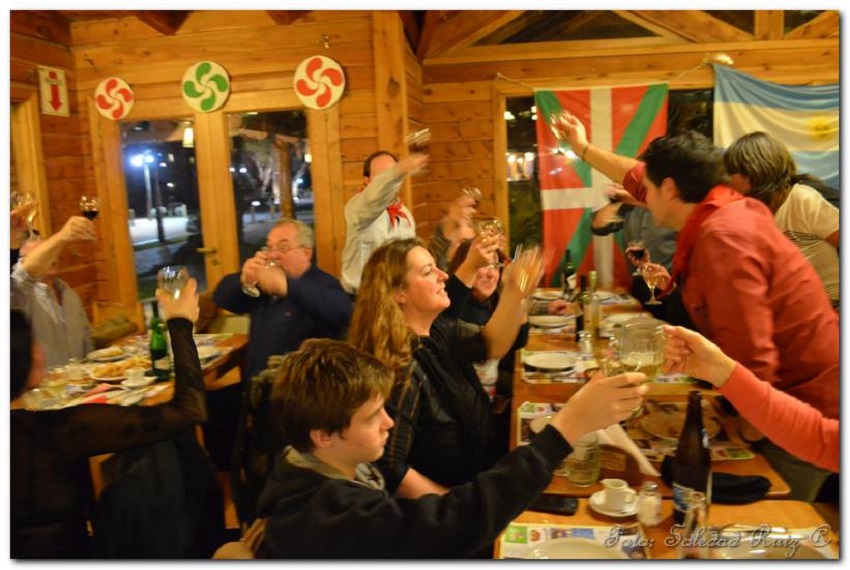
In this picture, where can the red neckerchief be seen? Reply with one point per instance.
(395, 211)
(718, 197)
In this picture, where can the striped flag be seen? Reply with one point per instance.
(620, 119)
(804, 118)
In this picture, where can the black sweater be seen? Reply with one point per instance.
(312, 516)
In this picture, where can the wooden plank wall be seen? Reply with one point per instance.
(37, 39)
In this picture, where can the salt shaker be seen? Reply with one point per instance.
(649, 504)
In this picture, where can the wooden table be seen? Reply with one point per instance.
(555, 393)
(787, 514)
(214, 372)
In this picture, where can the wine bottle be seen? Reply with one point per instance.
(160, 362)
(692, 463)
(568, 280)
(582, 291)
(590, 307)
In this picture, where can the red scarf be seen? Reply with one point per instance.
(395, 211)
(718, 197)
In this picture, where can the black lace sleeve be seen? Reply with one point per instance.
(93, 429)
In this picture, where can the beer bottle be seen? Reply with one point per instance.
(590, 307)
(692, 463)
(582, 291)
(160, 362)
(568, 280)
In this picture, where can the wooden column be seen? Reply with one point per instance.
(328, 191)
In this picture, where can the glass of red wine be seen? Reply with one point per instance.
(636, 251)
(89, 207)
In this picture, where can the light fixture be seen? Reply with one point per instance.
(308, 158)
(509, 116)
(511, 159)
(189, 137)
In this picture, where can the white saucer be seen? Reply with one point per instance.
(597, 503)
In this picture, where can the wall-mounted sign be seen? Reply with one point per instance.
(319, 82)
(114, 98)
(53, 90)
(206, 86)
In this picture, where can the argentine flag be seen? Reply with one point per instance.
(804, 118)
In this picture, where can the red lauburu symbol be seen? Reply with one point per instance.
(320, 81)
(114, 98)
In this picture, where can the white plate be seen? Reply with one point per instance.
(110, 354)
(94, 376)
(605, 295)
(571, 548)
(597, 503)
(537, 424)
(205, 352)
(550, 321)
(550, 360)
(143, 381)
(618, 319)
(547, 295)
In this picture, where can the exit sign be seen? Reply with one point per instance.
(54, 91)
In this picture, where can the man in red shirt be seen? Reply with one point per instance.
(744, 285)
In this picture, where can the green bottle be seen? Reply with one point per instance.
(568, 280)
(160, 362)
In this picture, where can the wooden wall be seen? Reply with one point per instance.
(389, 92)
(40, 39)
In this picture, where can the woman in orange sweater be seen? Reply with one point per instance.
(792, 424)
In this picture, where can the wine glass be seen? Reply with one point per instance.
(89, 207)
(417, 141)
(26, 202)
(636, 251)
(529, 261)
(173, 279)
(651, 276)
(490, 226)
(251, 289)
(472, 192)
(641, 349)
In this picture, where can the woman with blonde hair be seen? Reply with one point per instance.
(441, 412)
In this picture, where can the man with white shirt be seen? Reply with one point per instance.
(376, 215)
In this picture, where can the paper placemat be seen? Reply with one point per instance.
(519, 539)
(653, 448)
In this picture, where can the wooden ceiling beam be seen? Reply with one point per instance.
(694, 25)
(49, 25)
(826, 25)
(287, 17)
(467, 27)
(410, 27)
(166, 22)
(769, 24)
(433, 19)
(512, 28)
(639, 20)
(577, 22)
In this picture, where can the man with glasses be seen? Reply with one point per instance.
(297, 301)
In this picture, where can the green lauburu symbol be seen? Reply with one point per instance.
(207, 86)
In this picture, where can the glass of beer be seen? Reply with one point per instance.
(641, 347)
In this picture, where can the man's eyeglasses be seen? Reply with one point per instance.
(281, 249)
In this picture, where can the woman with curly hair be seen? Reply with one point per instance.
(761, 167)
(441, 412)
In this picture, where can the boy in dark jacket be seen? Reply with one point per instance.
(324, 499)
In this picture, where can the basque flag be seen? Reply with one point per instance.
(623, 120)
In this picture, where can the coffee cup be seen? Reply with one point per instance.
(617, 494)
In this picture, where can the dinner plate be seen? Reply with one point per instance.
(597, 503)
(668, 425)
(138, 383)
(547, 295)
(617, 319)
(205, 352)
(537, 424)
(110, 354)
(116, 371)
(573, 548)
(550, 360)
(550, 321)
(605, 295)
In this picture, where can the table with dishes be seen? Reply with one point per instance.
(761, 530)
(550, 369)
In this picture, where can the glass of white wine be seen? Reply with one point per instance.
(27, 204)
(641, 346)
(173, 279)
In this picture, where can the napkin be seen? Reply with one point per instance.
(727, 488)
(616, 435)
